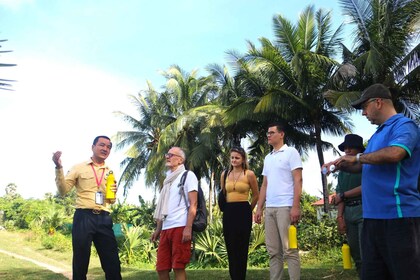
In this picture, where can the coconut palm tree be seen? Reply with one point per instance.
(197, 125)
(386, 50)
(142, 141)
(170, 118)
(285, 79)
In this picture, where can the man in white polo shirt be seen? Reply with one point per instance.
(280, 191)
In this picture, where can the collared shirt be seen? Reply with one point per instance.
(278, 167)
(348, 181)
(390, 190)
(83, 178)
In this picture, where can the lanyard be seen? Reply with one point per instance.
(98, 182)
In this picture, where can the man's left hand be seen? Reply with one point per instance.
(294, 215)
(187, 234)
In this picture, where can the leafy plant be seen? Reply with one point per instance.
(57, 242)
(137, 246)
(320, 236)
(137, 215)
(211, 246)
(257, 238)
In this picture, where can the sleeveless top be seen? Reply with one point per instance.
(239, 191)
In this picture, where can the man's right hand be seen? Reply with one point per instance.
(155, 236)
(341, 225)
(258, 216)
(57, 160)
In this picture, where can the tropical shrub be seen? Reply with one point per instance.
(210, 249)
(137, 246)
(57, 242)
(257, 252)
(136, 215)
(321, 236)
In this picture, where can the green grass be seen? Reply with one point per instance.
(26, 244)
(16, 269)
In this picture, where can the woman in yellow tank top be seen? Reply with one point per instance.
(237, 216)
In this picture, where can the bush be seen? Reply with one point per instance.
(9, 225)
(259, 258)
(321, 236)
(136, 246)
(57, 242)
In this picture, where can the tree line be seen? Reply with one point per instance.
(294, 77)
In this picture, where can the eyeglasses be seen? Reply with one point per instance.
(364, 105)
(271, 133)
(170, 155)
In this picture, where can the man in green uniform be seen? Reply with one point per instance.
(349, 200)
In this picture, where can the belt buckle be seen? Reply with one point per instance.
(96, 211)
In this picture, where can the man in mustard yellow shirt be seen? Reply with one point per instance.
(91, 221)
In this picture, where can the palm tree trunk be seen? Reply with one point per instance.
(321, 162)
(210, 197)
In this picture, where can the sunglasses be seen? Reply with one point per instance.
(170, 155)
(238, 150)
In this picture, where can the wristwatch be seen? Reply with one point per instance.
(342, 196)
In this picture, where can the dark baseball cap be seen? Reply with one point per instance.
(374, 91)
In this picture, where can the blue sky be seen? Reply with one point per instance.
(78, 60)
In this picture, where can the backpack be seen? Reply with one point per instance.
(200, 221)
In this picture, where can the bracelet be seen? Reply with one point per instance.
(358, 157)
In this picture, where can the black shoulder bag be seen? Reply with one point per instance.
(200, 221)
(221, 198)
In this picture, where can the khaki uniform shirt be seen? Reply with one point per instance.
(83, 178)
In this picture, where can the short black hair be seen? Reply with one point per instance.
(279, 125)
(100, 136)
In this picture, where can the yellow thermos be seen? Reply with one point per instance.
(345, 249)
(110, 180)
(292, 237)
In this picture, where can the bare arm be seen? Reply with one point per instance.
(254, 188)
(344, 163)
(192, 210)
(261, 201)
(341, 225)
(392, 154)
(222, 181)
(297, 192)
(156, 233)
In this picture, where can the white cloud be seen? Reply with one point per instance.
(56, 106)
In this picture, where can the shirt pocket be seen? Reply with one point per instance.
(86, 181)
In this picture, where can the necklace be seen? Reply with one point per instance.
(235, 180)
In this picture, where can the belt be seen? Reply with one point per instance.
(93, 211)
(353, 203)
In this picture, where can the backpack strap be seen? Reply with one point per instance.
(181, 187)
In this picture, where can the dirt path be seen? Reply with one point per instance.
(54, 269)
